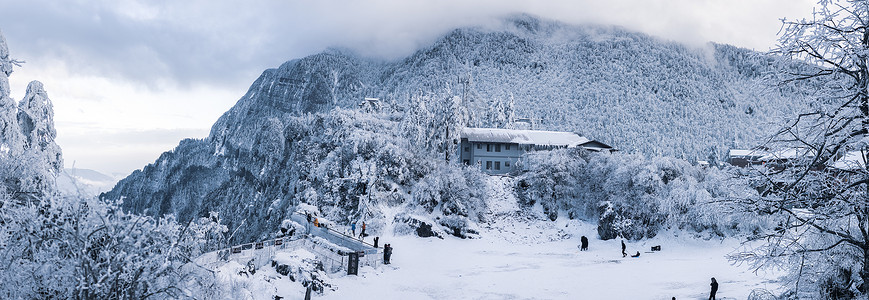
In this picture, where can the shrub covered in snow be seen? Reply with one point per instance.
(303, 267)
(416, 225)
(454, 196)
(633, 196)
(92, 250)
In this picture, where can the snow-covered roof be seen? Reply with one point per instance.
(524, 137)
(853, 160)
(745, 152)
(766, 155)
(783, 154)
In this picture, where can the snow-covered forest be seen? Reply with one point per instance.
(300, 142)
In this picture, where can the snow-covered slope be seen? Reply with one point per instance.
(505, 219)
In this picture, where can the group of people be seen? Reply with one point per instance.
(625, 253)
(387, 249)
(584, 247)
(362, 234)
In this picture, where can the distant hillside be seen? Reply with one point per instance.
(84, 182)
(635, 92)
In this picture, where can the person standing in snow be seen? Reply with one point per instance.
(375, 241)
(353, 228)
(584, 241)
(362, 234)
(624, 254)
(714, 286)
(387, 253)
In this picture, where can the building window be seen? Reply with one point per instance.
(497, 147)
(478, 146)
(488, 165)
(467, 149)
(488, 147)
(507, 147)
(507, 163)
(497, 165)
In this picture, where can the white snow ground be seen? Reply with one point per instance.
(520, 255)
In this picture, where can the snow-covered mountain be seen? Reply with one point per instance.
(29, 156)
(280, 145)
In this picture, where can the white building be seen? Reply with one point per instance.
(496, 151)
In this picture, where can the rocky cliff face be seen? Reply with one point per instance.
(29, 156)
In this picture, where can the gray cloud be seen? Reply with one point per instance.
(120, 150)
(220, 42)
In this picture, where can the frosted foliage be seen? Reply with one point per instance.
(91, 250)
(824, 243)
(5, 68)
(29, 157)
(36, 120)
(634, 197)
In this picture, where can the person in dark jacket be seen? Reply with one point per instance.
(714, 285)
(624, 254)
(387, 253)
(584, 241)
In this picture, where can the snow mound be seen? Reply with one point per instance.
(506, 220)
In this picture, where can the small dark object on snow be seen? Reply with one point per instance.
(376, 239)
(251, 267)
(584, 241)
(278, 297)
(283, 269)
(636, 255)
(656, 248)
(425, 230)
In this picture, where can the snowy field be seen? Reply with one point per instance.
(521, 255)
(494, 268)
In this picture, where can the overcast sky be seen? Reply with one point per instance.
(130, 78)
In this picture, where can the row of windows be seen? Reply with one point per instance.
(489, 147)
(497, 165)
(490, 164)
